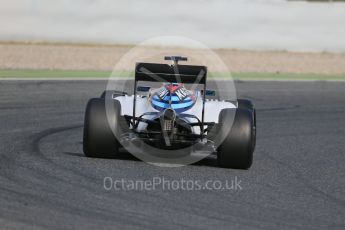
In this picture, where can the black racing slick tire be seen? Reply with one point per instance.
(99, 141)
(247, 104)
(236, 150)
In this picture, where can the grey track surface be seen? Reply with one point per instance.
(296, 181)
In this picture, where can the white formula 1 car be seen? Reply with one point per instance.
(175, 114)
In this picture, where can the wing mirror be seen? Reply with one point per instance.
(210, 93)
(143, 88)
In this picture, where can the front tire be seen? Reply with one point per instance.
(236, 150)
(99, 140)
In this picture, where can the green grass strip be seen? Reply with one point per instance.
(66, 74)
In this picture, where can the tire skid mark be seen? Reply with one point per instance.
(34, 150)
(102, 213)
(48, 132)
(38, 137)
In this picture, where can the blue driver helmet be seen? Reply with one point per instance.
(181, 98)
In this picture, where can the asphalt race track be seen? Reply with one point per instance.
(296, 181)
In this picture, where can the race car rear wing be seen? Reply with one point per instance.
(191, 74)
